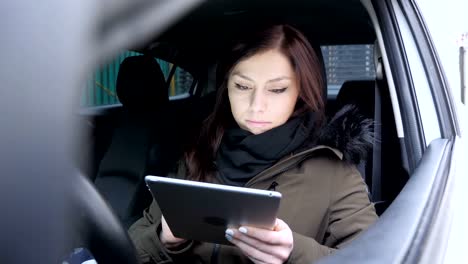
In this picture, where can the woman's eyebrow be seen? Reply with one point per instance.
(242, 76)
(269, 81)
(279, 79)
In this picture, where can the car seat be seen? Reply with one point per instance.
(141, 89)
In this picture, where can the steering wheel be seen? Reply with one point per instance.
(99, 229)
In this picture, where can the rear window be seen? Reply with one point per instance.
(347, 62)
(100, 89)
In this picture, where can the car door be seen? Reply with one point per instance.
(422, 225)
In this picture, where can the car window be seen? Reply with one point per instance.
(181, 81)
(100, 89)
(347, 62)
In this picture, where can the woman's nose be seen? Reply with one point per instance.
(258, 101)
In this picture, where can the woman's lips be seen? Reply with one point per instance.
(255, 123)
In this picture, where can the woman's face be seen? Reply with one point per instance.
(262, 91)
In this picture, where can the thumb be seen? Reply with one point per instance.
(280, 225)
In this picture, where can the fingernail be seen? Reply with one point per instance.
(243, 230)
(228, 237)
(229, 232)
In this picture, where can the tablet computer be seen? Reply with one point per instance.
(202, 211)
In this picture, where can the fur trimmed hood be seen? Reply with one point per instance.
(349, 132)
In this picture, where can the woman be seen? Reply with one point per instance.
(267, 132)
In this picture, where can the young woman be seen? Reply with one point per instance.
(267, 131)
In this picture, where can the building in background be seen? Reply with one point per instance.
(347, 62)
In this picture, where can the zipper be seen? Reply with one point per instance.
(273, 186)
(214, 254)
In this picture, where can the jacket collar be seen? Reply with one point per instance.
(290, 162)
(350, 133)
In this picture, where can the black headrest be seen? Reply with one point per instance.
(359, 93)
(141, 84)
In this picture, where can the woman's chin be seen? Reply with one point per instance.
(258, 130)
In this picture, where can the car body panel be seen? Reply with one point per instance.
(397, 236)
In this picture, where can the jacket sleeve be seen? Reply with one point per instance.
(144, 234)
(350, 213)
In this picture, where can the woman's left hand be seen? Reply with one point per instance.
(263, 245)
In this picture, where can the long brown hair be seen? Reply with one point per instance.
(309, 72)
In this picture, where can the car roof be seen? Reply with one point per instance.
(202, 32)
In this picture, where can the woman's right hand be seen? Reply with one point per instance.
(167, 238)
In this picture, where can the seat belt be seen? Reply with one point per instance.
(377, 150)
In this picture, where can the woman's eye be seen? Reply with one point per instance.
(241, 87)
(278, 91)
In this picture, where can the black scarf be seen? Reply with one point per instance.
(242, 155)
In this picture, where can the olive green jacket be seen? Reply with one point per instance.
(325, 202)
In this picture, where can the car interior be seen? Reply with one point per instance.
(98, 95)
(158, 94)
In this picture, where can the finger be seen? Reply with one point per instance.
(279, 251)
(253, 253)
(170, 238)
(264, 235)
(165, 226)
(282, 236)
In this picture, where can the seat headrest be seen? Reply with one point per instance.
(141, 84)
(358, 93)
